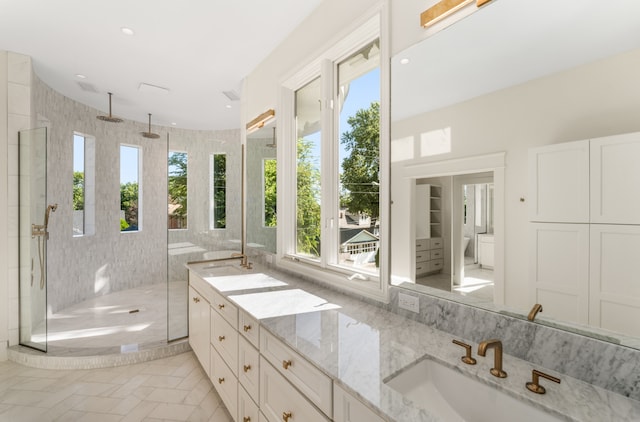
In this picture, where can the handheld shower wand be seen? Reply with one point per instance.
(42, 233)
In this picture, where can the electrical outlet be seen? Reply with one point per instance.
(408, 302)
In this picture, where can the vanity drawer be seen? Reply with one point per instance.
(312, 382)
(248, 368)
(226, 308)
(423, 256)
(249, 328)
(225, 383)
(224, 338)
(247, 410)
(422, 268)
(422, 244)
(436, 264)
(436, 253)
(436, 243)
(278, 398)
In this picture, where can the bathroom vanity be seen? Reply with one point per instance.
(280, 349)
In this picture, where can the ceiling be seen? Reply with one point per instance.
(196, 49)
(505, 43)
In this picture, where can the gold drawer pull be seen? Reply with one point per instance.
(196, 300)
(286, 364)
(246, 328)
(246, 368)
(220, 380)
(220, 338)
(221, 306)
(286, 416)
(246, 419)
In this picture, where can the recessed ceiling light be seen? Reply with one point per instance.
(173, 123)
(126, 31)
(404, 61)
(80, 76)
(228, 106)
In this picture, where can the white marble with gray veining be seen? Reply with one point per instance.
(360, 346)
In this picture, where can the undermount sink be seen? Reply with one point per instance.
(455, 397)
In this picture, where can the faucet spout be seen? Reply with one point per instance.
(496, 344)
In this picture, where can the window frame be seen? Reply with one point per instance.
(326, 269)
(187, 176)
(212, 207)
(89, 188)
(140, 185)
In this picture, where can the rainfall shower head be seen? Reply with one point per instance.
(150, 134)
(110, 117)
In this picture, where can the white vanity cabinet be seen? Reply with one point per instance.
(280, 401)
(199, 326)
(347, 408)
(315, 385)
(429, 256)
(486, 250)
(249, 368)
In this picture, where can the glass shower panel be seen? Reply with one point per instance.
(34, 215)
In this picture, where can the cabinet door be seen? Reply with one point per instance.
(247, 410)
(224, 338)
(421, 211)
(614, 282)
(225, 383)
(199, 327)
(349, 409)
(615, 179)
(559, 183)
(249, 368)
(559, 269)
(280, 401)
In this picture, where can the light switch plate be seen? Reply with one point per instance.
(408, 302)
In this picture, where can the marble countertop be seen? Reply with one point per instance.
(361, 346)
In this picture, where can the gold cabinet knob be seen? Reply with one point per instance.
(220, 338)
(286, 364)
(246, 419)
(221, 306)
(196, 300)
(246, 328)
(286, 416)
(220, 380)
(246, 368)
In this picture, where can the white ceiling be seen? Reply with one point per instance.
(506, 43)
(196, 49)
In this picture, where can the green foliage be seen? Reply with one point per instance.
(129, 202)
(123, 225)
(78, 190)
(270, 198)
(220, 191)
(308, 201)
(178, 187)
(360, 169)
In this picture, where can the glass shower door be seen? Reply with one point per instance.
(34, 213)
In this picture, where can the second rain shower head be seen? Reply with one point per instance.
(150, 134)
(110, 118)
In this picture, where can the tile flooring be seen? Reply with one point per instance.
(478, 283)
(170, 389)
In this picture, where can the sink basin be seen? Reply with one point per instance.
(455, 397)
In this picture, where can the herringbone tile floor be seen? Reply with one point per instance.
(170, 389)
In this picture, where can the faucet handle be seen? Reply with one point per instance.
(534, 384)
(467, 358)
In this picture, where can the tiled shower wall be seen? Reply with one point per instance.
(110, 260)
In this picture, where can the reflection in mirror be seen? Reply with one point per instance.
(470, 101)
(261, 188)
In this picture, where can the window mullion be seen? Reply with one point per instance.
(329, 183)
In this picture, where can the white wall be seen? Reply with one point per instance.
(597, 99)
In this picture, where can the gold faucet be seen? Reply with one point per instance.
(534, 384)
(534, 311)
(496, 371)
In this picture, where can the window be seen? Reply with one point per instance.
(130, 188)
(334, 140)
(269, 175)
(177, 185)
(218, 191)
(83, 185)
(308, 201)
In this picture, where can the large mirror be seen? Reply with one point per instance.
(468, 103)
(261, 188)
